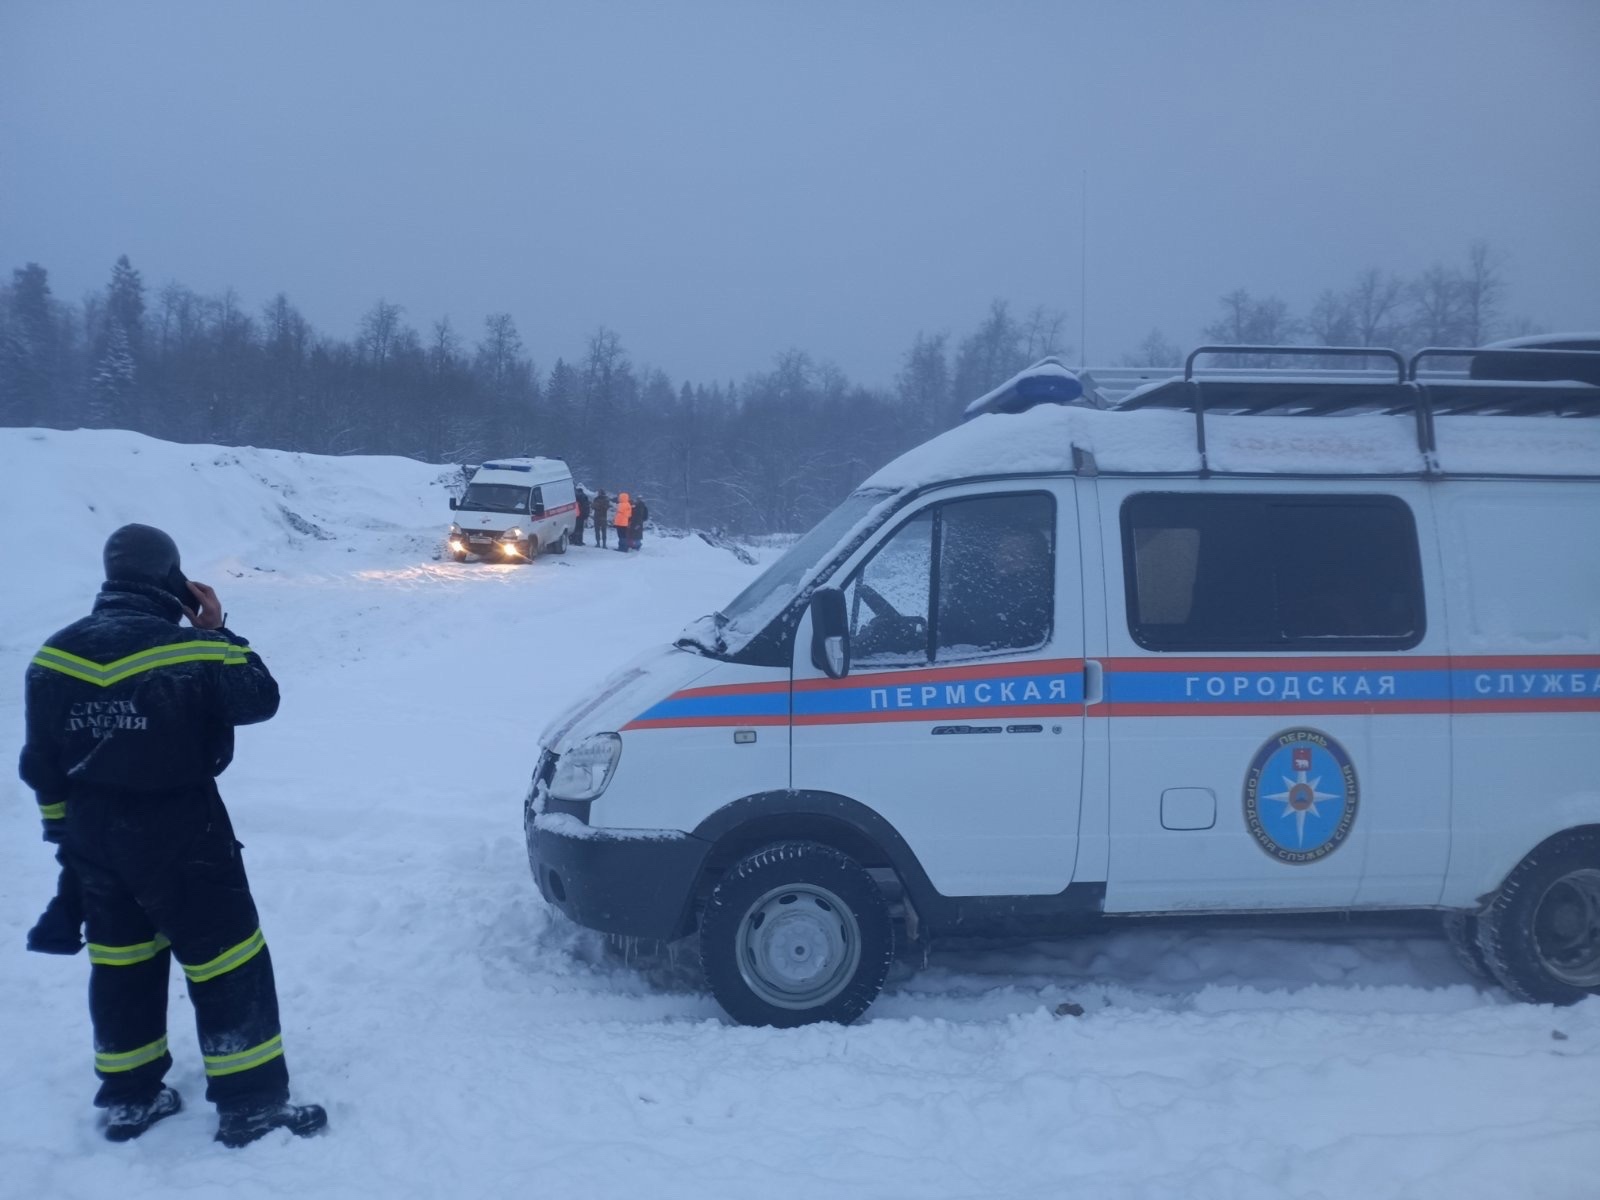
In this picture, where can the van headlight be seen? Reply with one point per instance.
(512, 535)
(583, 772)
(455, 530)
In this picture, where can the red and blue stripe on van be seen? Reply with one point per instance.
(1151, 687)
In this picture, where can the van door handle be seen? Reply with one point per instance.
(1094, 681)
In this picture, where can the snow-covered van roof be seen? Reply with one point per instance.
(521, 470)
(1275, 423)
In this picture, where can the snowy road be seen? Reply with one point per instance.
(469, 1041)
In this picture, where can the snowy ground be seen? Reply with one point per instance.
(468, 1041)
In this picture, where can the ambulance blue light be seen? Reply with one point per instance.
(1046, 389)
(505, 466)
(1046, 382)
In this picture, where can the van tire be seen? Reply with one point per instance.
(559, 546)
(1540, 935)
(1461, 931)
(841, 921)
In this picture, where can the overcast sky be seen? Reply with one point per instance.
(719, 182)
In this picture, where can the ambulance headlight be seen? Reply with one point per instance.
(455, 530)
(583, 772)
(513, 535)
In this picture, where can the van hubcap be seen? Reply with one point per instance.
(799, 946)
(1566, 928)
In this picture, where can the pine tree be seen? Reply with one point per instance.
(111, 405)
(29, 371)
(125, 304)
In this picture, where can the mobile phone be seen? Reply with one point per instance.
(178, 585)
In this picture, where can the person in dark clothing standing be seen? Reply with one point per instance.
(636, 522)
(130, 718)
(583, 517)
(602, 517)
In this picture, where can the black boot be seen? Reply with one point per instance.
(124, 1122)
(236, 1129)
(59, 929)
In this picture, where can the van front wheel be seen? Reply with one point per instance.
(1461, 931)
(796, 933)
(1541, 933)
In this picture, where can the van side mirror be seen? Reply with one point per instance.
(830, 633)
(453, 504)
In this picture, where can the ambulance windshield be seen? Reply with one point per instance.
(754, 608)
(495, 497)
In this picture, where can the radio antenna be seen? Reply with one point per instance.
(1083, 270)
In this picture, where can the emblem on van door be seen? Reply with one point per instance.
(1300, 796)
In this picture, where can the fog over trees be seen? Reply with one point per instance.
(769, 452)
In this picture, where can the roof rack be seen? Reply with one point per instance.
(1514, 382)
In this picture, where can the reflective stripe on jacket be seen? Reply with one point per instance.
(126, 699)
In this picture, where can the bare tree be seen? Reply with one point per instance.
(499, 354)
(1246, 321)
(1438, 307)
(923, 384)
(444, 348)
(1374, 301)
(1154, 351)
(1041, 334)
(379, 329)
(1482, 289)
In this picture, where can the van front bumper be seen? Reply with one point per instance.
(635, 886)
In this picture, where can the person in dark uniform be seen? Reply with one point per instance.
(130, 718)
(602, 516)
(636, 521)
(583, 517)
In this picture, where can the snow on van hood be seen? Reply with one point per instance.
(624, 695)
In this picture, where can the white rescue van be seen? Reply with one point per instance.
(513, 509)
(1243, 642)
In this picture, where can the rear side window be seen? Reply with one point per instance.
(1264, 572)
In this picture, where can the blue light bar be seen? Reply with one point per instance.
(1046, 382)
(495, 466)
(1045, 389)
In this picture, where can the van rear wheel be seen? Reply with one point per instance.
(1541, 933)
(796, 933)
(559, 546)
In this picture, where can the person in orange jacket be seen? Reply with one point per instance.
(620, 516)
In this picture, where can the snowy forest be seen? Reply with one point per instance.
(767, 453)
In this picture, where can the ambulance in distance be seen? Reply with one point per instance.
(513, 509)
(1233, 641)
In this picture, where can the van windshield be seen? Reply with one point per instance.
(753, 609)
(495, 497)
